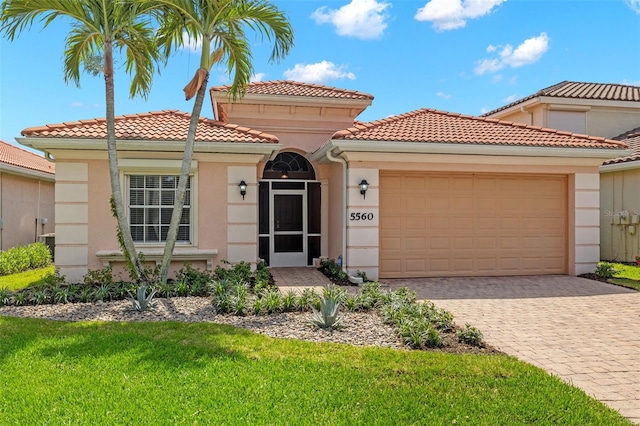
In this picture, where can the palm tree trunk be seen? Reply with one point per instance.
(114, 172)
(182, 181)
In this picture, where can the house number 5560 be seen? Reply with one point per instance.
(361, 216)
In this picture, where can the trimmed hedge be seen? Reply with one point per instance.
(23, 258)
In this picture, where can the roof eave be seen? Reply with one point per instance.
(342, 145)
(289, 100)
(617, 167)
(48, 144)
(26, 172)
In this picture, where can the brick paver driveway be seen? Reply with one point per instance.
(586, 332)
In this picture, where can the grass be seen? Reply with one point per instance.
(25, 279)
(626, 276)
(202, 373)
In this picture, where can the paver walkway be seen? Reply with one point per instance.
(584, 331)
(297, 279)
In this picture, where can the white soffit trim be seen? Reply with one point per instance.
(467, 149)
(47, 144)
(629, 165)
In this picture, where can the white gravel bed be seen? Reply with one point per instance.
(357, 328)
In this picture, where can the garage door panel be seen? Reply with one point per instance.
(471, 224)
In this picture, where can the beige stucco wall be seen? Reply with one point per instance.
(620, 232)
(23, 200)
(601, 120)
(223, 222)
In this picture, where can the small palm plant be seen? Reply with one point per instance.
(142, 301)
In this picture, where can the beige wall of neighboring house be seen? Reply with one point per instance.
(26, 196)
(620, 212)
(606, 119)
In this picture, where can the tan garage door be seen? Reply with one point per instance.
(436, 224)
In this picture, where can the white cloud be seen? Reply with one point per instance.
(452, 14)
(510, 98)
(363, 19)
(491, 48)
(259, 76)
(496, 78)
(635, 5)
(443, 95)
(78, 104)
(631, 82)
(530, 51)
(191, 44)
(320, 72)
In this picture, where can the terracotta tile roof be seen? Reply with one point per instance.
(167, 125)
(19, 157)
(294, 88)
(632, 139)
(577, 90)
(432, 126)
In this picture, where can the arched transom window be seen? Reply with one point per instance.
(289, 165)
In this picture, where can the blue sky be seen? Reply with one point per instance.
(467, 56)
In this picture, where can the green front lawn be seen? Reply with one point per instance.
(201, 373)
(626, 275)
(25, 279)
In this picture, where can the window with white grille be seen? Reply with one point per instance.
(151, 199)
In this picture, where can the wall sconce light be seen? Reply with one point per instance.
(285, 174)
(243, 188)
(364, 185)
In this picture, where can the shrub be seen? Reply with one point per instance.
(23, 258)
(195, 280)
(290, 302)
(330, 268)
(240, 271)
(272, 301)
(308, 298)
(5, 296)
(99, 276)
(605, 271)
(470, 335)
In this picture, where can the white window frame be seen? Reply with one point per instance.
(146, 167)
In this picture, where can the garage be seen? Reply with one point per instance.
(463, 224)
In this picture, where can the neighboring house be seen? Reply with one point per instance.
(426, 193)
(26, 196)
(620, 202)
(598, 109)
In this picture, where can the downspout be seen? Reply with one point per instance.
(344, 206)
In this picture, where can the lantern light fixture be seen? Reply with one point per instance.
(364, 185)
(243, 188)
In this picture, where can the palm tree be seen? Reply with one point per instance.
(99, 26)
(220, 26)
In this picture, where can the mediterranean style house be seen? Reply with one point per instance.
(611, 111)
(288, 175)
(26, 196)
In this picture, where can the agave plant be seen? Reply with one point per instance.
(142, 301)
(328, 316)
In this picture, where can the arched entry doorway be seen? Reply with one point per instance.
(289, 212)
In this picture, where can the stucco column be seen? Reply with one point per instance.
(362, 223)
(242, 231)
(72, 220)
(586, 223)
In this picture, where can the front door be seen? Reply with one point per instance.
(288, 228)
